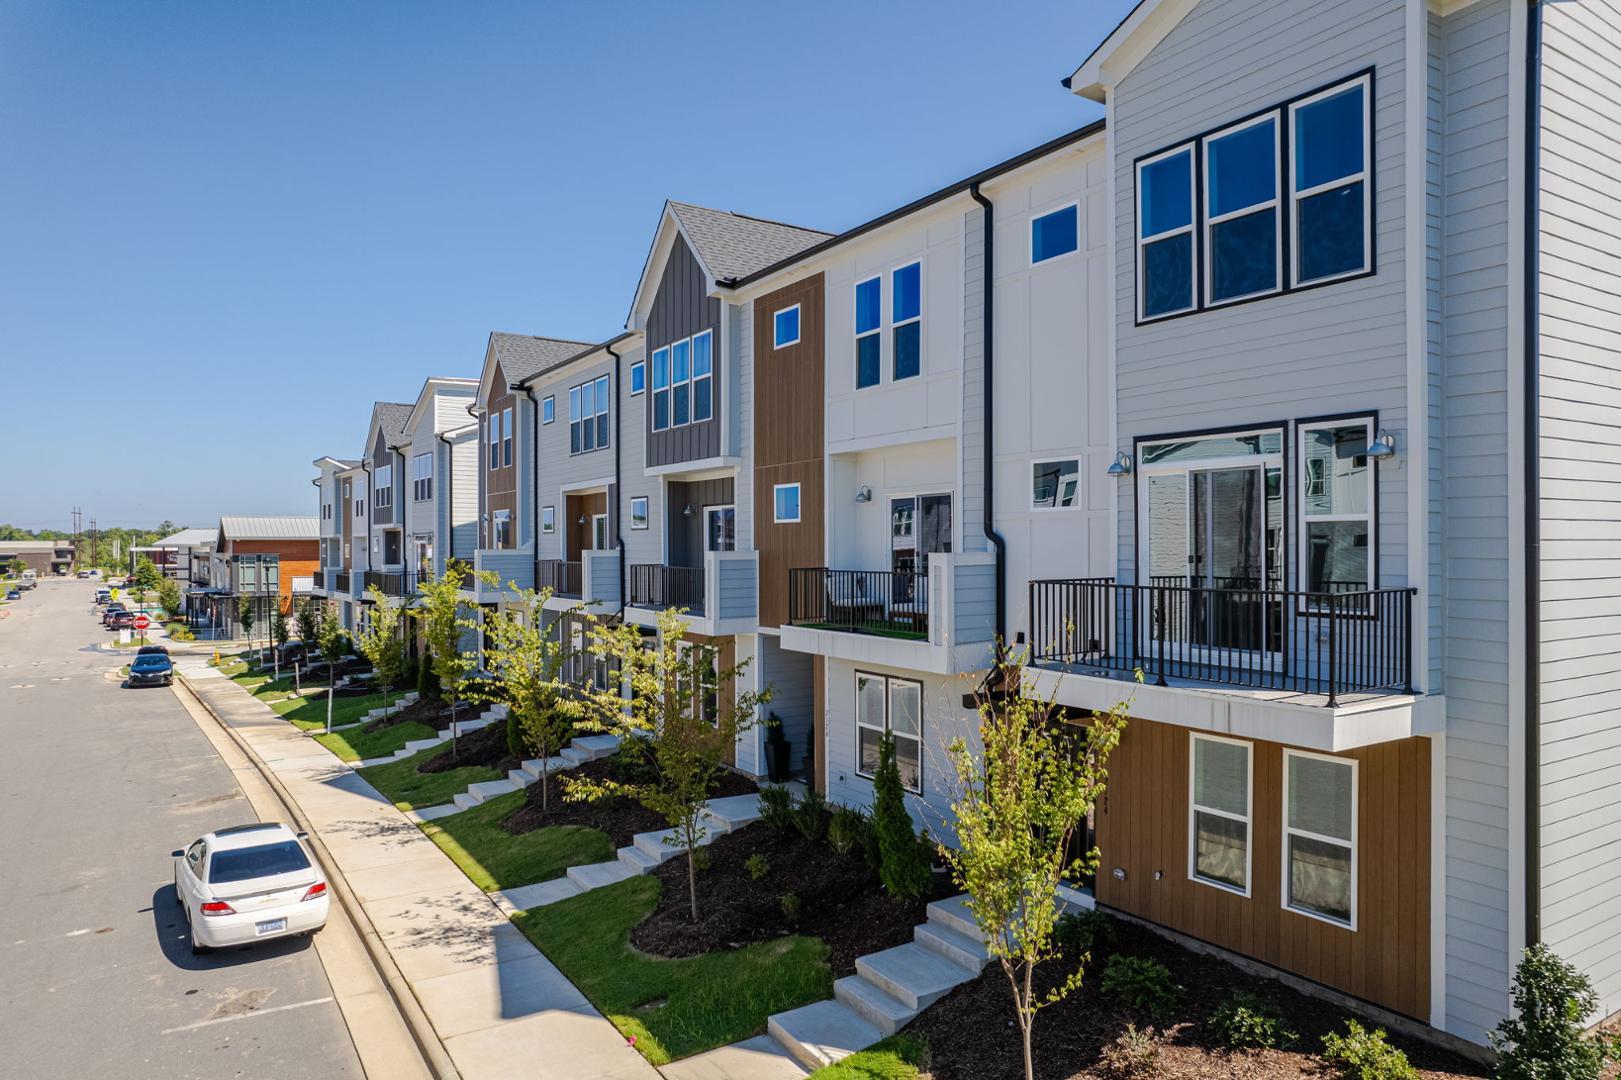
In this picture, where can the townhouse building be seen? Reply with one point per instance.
(261, 561)
(183, 555)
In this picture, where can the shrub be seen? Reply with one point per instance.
(810, 816)
(1133, 1054)
(1245, 1022)
(904, 865)
(777, 807)
(700, 858)
(1361, 1054)
(1080, 933)
(758, 866)
(427, 681)
(181, 633)
(517, 739)
(791, 905)
(1143, 985)
(1545, 1035)
(846, 829)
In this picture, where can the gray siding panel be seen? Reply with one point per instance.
(736, 589)
(1580, 391)
(972, 504)
(682, 307)
(559, 468)
(790, 676)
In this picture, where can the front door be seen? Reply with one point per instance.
(720, 528)
(919, 526)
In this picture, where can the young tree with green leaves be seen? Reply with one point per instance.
(244, 617)
(675, 714)
(904, 866)
(1017, 802)
(279, 635)
(438, 613)
(330, 638)
(169, 596)
(527, 661)
(379, 641)
(147, 576)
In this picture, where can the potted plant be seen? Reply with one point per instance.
(777, 750)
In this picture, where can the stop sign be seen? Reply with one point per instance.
(142, 622)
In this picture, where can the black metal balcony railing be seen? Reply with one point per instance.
(318, 579)
(1347, 640)
(891, 603)
(655, 585)
(340, 581)
(562, 578)
(393, 582)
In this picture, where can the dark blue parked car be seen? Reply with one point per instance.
(151, 669)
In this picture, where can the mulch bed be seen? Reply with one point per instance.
(486, 746)
(972, 1035)
(436, 714)
(841, 900)
(620, 818)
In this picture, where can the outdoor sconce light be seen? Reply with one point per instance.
(688, 511)
(1383, 446)
(581, 521)
(1121, 466)
(863, 494)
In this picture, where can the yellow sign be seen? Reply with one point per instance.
(113, 593)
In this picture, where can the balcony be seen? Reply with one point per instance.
(938, 620)
(654, 585)
(318, 580)
(512, 567)
(340, 582)
(719, 598)
(393, 583)
(1326, 670)
(562, 578)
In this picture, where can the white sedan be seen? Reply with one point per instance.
(249, 883)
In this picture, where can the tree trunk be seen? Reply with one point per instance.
(692, 870)
(329, 697)
(1027, 1022)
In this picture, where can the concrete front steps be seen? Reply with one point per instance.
(646, 851)
(378, 713)
(888, 989)
(462, 727)
(581, 750)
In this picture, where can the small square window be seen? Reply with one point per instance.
(785, 327)
(638, 512)
(1055, 485)
(638, 378)
(786, 497)
(548, 410)
(1054, 234)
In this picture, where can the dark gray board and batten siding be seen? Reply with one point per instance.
(681, 308)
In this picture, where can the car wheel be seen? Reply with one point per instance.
(197, 948)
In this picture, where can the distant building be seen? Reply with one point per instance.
(264, 559)
(184, 556)
(42, 556)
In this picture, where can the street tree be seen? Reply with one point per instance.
(675, 717)
(147, 575)
(244, 617)
(438, 614)
(1017, 801)
(279, 635)
(331, 640)
(379, 641)
(169, 596)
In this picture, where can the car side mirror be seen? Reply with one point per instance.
(178, 853)
(303, 836)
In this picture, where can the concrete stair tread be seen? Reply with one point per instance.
(540, 894)
(637, 859)
(823, 1032)
(962, 949)
(574, 756)
(432, 813)
(915, 976)
(596, 875)
(883, 1012)
(953, 914)
(520, 778)
(597, 745)
(652, 844)
(733, 812)
(534, 766)
(490, 789)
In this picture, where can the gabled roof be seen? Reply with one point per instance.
(269, 528)
(187, 538)
(431, 388)
(1143, 27)
(390, 418)
(521, 356)
(588, 351)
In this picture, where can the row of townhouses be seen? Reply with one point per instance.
(1293, 384)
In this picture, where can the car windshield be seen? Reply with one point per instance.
(242, 864)
(151, 660)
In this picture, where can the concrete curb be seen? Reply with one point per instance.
(427, 1039)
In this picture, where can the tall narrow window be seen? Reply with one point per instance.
(493, 424)
(661, 389)
(1055, 233)
(548, 409)
(548, 520)
(1165, 234)
(869, 336)
(602, 411)
(1330, 138)
(1241, 211)
(506, 436)
(638, 378)
(503, 529)
(703, 376)
(638, 512)
(906, 332)
(1319, 835)
(383, 483)
(1336, 507)
(680, 380)
(894, 705)
(576, 405)
(1219, 848)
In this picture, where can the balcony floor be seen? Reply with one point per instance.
(1295, 696)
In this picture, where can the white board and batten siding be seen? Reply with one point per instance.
(1580, 513)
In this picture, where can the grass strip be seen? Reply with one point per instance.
(496, 859)
(899, 1057)
(401, 783)
(357, 744)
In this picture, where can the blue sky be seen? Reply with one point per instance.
(228, 228)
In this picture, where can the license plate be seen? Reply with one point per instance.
(271, 926)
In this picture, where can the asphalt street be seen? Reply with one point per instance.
(98, 783)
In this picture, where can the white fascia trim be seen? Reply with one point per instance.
(1125, 48)
(1415, 249)
(577, 486)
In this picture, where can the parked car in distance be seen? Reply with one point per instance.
(14, 594)
(248, 883)
(111, 610)
(104, 595)
(83, 574)
(148, 650)
(121, 620)
(151, 669)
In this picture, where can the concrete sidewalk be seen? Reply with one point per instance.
(500, 1007)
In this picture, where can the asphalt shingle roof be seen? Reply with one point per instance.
(270, 528)
(521, 356)
(392, 417)
(735, 245)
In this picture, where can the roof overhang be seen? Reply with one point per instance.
(653, 268)
(430, 390)
(1125, 47)
(562, 366)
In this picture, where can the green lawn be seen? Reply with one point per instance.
(899, 1057)
(400, 782)
(496, 859)
(309, 712)
(673, 1008)
(356, 744)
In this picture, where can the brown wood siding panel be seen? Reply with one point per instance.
(1142, 828)
(786, 547)
(578, 532)
(682, 307)
(500, 484)
(725, 659)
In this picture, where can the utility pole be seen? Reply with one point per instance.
(95, 551)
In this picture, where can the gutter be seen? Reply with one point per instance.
(534, 475)
(1533, 482)
(619, 487)
(988, 333)
(450, 496)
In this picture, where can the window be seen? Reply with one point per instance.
(638, 378)
(1336, 506)
(422, 477)
(869, 316)
(506, 436)
(1319, 836)
(786, 497)
(1331, 220)
(894, 705)
(548, 519)
(906, 330)
(785, 327)
(493, 423)
(661, 389)
(1219, 849)
(680, 381)
(1242, 231)
(548, 409)
(703, 376)
(503, 529)
(1165, 234)
(638, 512)
(360, 506)
(1055, 233)
(588, 416)
(1055, 485)
(383, 482)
